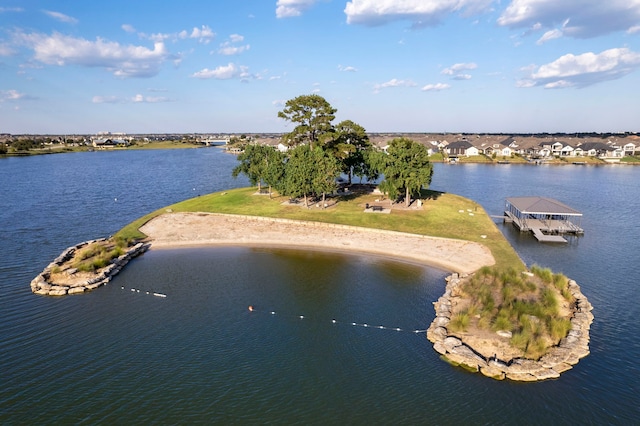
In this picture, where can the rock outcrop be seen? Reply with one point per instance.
(43, 285)
(558, 359)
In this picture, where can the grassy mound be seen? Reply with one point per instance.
(441, 215)
(535, 308)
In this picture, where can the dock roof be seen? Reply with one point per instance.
(541, 205)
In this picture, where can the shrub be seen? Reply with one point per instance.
(502, 322)
(459, 321)
(90, 251)
(559, 328)
(549, 301)
(544, 274)
(100, 262)
(116, 252)
(560, 281)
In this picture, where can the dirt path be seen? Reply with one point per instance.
(188, 229)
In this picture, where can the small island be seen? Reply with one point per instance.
(495, 317)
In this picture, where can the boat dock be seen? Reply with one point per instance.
(546, 218)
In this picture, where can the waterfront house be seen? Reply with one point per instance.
(629, 148)
(461, 148)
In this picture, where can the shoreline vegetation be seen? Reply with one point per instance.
(438, 229)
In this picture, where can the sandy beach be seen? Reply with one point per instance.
(191, 229)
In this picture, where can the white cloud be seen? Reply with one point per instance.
(60, 17)
(224, 72)
(203, 34)
(347, 68)
(634, 29)
(228, 50)
(589, 18)
(10, 95)
(420, 12)
(583, 70)
(456, 68)
(230, 46)
(106, 100)
(122, 61)
(291, 8)
(549, 35)
(149, 99)
(435, 87)
(394, 82)
(6, 50)
(462, 77)
(138, 98)
(128, 28)
(11, 9)
(560, 84)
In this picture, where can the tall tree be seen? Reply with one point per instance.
(259, 163)
(349, 144)
(299, 173)
(312, 115)
(406, 168)
(326, 170)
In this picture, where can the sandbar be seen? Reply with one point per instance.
(176, 229)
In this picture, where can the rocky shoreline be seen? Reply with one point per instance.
(557, 360)
(43, 285)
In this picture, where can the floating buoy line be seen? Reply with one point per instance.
(252, 309)
(135, 290)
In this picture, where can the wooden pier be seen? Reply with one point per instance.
(546, 218)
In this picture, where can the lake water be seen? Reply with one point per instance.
(117, 356)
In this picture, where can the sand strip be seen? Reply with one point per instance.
(189, 229)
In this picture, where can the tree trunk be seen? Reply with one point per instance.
(323, 198)
(407, 199)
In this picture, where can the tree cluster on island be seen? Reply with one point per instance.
(319, 153)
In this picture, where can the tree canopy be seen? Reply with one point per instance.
(260, 163)
(321, 152)
(406, 168)
(312, 115)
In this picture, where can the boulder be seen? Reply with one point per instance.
(60, 291)
(439, 347)
(492, 372)
(451, 342)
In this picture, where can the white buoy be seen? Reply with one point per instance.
(301, 316)
(333, 321)
(273, 313)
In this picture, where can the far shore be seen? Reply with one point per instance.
(197, 229)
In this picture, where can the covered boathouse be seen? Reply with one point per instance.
(545, 217)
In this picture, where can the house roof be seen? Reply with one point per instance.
(460, 144)
(542, 205)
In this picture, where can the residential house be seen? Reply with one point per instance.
(461, 149)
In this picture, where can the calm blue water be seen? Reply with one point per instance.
(198, 356)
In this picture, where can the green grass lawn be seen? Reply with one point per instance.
(443, 215)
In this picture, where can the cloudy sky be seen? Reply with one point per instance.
(390, 65)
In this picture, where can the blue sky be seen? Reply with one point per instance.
(390, 65)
